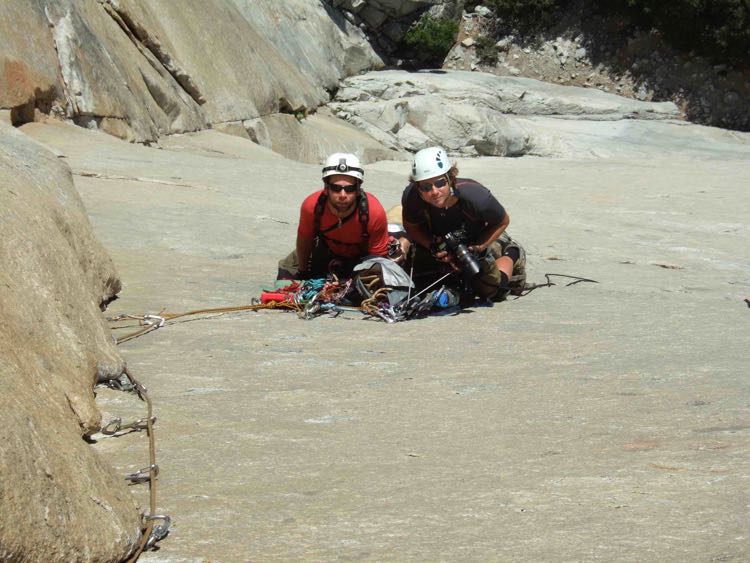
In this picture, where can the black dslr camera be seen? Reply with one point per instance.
(455, 242)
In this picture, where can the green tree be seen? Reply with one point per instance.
(431, 38)
(524, 16)
(719, 29)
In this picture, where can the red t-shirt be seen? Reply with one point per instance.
(350, 231)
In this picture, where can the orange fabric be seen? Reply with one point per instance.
(350, 232)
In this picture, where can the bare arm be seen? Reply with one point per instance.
(418, 234)
(304, 251)
(490, 234)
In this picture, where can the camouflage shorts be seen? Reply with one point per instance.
(488, 283)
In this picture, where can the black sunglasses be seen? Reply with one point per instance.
(425, 188)
(335, 188)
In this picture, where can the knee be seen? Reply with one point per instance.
(493, 284)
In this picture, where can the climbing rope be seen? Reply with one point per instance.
(529, 288)
(377, 305)
(150, 323)
(308, 299)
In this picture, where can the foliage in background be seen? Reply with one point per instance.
(718, 29)
(523, 16)
(431, 38)
(486, 50)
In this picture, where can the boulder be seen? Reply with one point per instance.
(227, 74)
(108, 75)
(474, 113)
(312, 139)
(60, 501)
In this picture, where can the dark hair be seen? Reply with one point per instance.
(452, 175)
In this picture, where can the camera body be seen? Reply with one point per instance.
(455, 242)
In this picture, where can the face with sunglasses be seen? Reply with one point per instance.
(435, 191)
(342, 193)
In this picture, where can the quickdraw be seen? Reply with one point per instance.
(158, 531)
(143, 475)
(115, 427)
(155, 526)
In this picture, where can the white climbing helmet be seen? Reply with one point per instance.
(343, 163)
(429, 163)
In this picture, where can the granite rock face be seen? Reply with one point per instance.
(140, 70)
(60, 501)
(28, 63)
(475, 113)
(452, 438)
(314, 138)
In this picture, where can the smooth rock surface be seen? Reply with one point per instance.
(596, 421)
(476, 113)
(111, 76)
(60, 501)
(319, 41)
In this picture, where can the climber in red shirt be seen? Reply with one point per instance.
(338, 226)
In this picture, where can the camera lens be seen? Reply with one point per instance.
(468, 263)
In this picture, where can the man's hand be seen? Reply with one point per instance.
(398, 249)
(447, 258)
(304, 251)
(442, 255)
